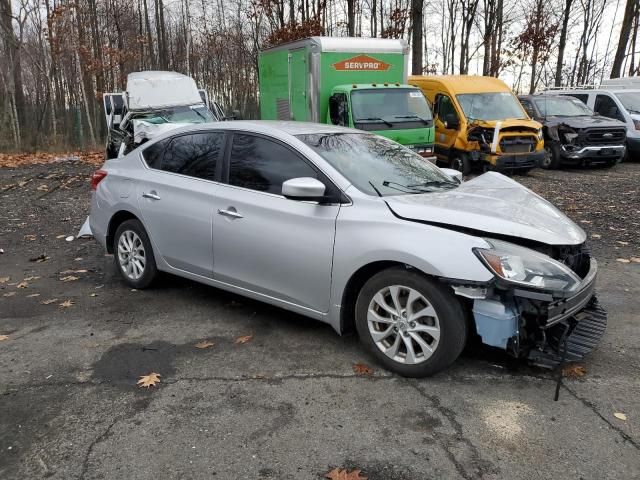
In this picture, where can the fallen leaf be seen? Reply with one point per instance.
(33, 295)
(4, 279)
(243, 339)
(93, 294)
(40, 258)
(9, 294)
(362, 369)
(60, 236)
(621, 242)
(595, 235)
(635, 259)
(30, 279)
(344, 474)
(50, 301)
(204, 344)
(623, 260)
(65, 272)
(620, 416)
(30, 237)
(150, 380)
(22, 285)
(43, 188)
(574, 371)
(68, 278)
(4, 337)
(67, 303)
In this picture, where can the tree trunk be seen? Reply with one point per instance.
(351, 20)
(12, 46)
(416, 37)
(563, 42)
(625, 31)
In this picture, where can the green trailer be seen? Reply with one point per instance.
(354, 82)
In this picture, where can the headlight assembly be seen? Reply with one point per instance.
(527, 267)
(540, 135)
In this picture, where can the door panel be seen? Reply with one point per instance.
(179, 220)
(298, 81)
(277, 247)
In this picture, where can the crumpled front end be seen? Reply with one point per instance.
(545, 326)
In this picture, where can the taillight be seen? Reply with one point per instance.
(96, 178)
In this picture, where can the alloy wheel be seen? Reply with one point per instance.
(403, 324)
(548, 157)
(131, 254)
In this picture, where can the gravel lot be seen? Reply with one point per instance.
(287, 404)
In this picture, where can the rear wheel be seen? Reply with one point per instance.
(411, 324)
(133, 254)
(551, 159)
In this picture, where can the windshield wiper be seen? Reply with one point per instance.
(422, 119)
(375, 119)
(435, 183)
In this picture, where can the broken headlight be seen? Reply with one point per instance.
(527, 267)
(569, 135)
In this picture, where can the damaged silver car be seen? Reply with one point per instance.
(357, 231)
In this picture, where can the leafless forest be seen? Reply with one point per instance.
(59, 56)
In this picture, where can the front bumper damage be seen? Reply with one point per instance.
(535, 325)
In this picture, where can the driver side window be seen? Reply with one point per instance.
(339, 109)
(445, 109)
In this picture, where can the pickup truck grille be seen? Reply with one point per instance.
(518, 144)
(603, 136)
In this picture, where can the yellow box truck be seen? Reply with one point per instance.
(481, 124)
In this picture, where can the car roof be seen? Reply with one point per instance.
(267, 127)
(461, 84)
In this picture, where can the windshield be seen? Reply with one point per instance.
(491, 106)
(630, 100)
(182, 114)
(561, 107)
(371, 163)
(389, 105)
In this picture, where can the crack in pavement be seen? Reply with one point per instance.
(98, 439)
(481, 465)
(625, 436)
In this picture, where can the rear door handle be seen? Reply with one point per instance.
(229, 213)
(152, 195)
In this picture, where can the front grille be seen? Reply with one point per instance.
(518, 144)
(602, 136)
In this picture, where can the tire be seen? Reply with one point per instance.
(442, 325)
(139, 270)
(551, 159)
(461, 163)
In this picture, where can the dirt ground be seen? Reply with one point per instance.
(287, 404)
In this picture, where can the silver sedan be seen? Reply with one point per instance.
(354, 230)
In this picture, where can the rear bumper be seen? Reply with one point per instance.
(508, 162)
(593, 154)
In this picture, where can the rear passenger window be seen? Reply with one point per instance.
(528, 107)
(153, 153)
(195, 155)
(261, 164)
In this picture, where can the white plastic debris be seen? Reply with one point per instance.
(85, 230)
(70, 238)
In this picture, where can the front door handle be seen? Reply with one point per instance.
(153, 195)
(229, 213)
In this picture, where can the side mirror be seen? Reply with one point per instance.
(451, 121)
(304, 188)
(235, 115)
(455, 174)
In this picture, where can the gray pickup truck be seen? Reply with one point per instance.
(574, 134)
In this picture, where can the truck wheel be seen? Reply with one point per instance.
(551, 159)
(462, 164)
(411, 324)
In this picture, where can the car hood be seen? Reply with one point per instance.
(508, 124)
(493, 204)
(584, 122)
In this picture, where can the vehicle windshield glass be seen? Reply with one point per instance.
(491, 106)
(561, 107)
(182, 114)
(391, 104)
(365, 160)
(630, 100)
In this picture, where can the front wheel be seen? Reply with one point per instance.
(412, 325)
(551, 159)
(462, 164)
(133, 254)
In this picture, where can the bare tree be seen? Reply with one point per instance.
(630, 13)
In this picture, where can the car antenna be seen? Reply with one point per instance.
(375, 189)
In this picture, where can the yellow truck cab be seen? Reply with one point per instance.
(480, 124)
